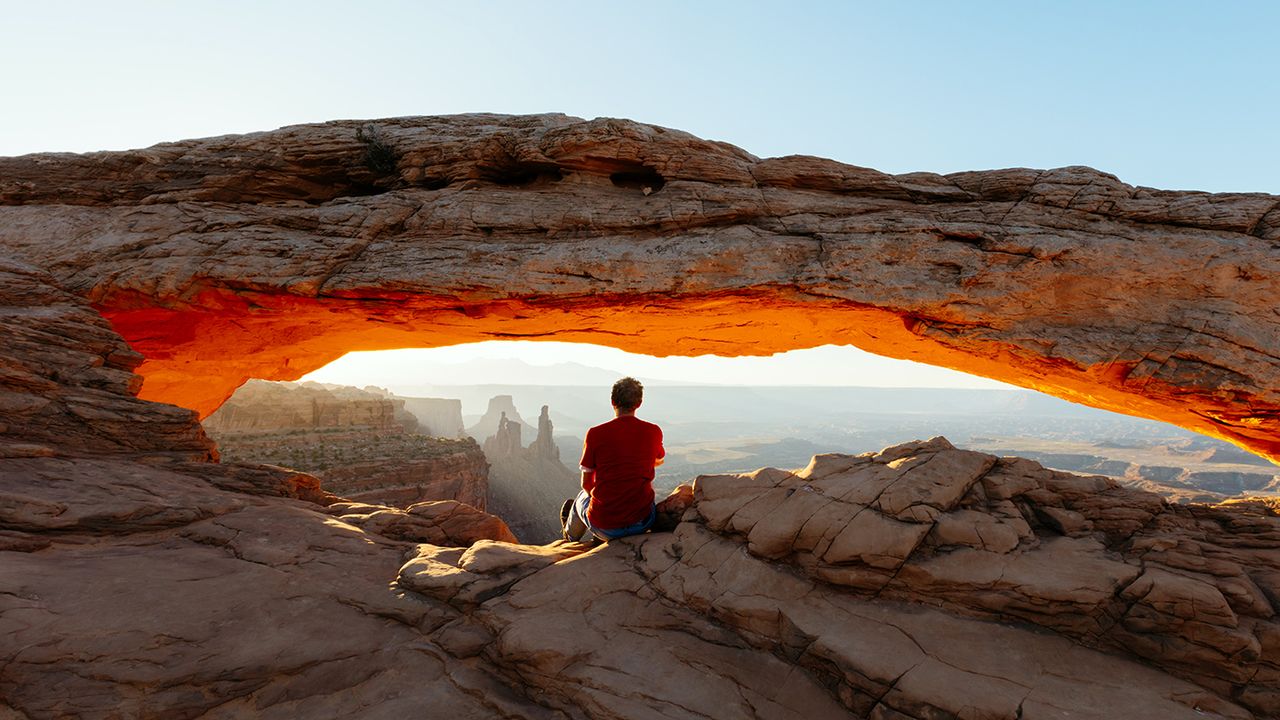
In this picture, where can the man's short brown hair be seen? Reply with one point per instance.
(627, 394)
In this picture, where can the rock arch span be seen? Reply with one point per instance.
(270, 254)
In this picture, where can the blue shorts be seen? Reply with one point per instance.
(583, 501)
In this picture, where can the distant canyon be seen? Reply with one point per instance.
(372, 445)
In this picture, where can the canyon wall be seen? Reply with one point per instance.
(259, 406)
(437, 417)
(270, 254)
(355, 441)
(460, 474)
(1173, 482)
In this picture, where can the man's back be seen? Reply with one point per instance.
(622, 453)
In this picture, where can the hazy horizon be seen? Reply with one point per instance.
(724, 428)
(561, 363)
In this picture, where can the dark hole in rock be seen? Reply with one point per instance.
(644, 179)
(519, 174)
(360, 190)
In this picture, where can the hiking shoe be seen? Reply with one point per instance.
(565, 509)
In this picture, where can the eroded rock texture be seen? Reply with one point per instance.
(270, 254)
(281, 407)
(361, 444)
(140, 580)
(66, 377)
(918, 582)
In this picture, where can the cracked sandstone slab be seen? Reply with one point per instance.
(929, 637)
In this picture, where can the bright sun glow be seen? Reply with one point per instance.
(561, 363)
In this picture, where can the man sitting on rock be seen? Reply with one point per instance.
(618, 459)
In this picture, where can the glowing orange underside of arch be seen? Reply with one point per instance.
(198, 355)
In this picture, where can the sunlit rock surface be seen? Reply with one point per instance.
(773, 594)
(923, 581)
(259, 406)
(270, 254)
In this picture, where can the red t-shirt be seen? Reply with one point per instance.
(622, 453)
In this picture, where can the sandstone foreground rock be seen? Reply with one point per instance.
(268, 255)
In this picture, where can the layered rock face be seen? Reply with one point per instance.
(919, 582)
(437, 417)
(355, 441)
(259, 406)
(139, 579)
(452, 470)
(66, 379)
(270, 254)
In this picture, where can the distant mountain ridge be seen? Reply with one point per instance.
(577, 406)
(483, 371)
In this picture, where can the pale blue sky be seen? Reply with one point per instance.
(1171, 94)
(1179, 95)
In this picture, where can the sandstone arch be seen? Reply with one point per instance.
(270, 254)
